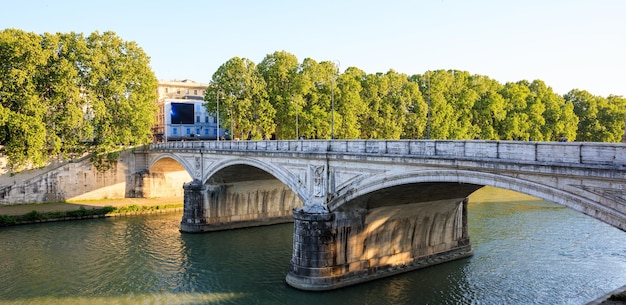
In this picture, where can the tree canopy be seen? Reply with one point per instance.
(67, 94)
(313, 99)
(64, 94)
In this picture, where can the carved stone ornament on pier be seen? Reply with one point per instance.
(198, 165)
(318, 173)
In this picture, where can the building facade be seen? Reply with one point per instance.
(181, 114)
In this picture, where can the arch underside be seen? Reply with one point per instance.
(432, 185)
(165, 178)
(239, 193)
(239, 170)
(169, 163)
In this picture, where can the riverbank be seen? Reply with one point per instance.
(76, 210)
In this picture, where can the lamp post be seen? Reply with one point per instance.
(624, 136)
(217, 137)
(428, 111)
(230, 113)
(296, 106)
(332, 101)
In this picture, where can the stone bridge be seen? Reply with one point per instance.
(368, 209)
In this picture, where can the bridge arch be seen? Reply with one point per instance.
(285, 177)
(166, 175)
(463, 180)
(237, 192)
(169, 160)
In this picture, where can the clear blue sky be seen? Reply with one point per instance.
(566, 43)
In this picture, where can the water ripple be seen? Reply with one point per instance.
(525, 253)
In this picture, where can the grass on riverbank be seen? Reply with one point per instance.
(82, 212)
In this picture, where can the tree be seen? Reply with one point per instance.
(349, 105)
(317, 81)
(280, 72)
(559, 118)
(417, 112)
(245, 103)
(489, 109)
(59, 89)
(64, 94)
(398, 95)
(120, 89)
(516, 124)
(372, 120)
(22, 131)
(586, 107)
(600, 119)
(443, 123)
(615, 117)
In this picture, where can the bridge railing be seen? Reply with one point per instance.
(551, 152)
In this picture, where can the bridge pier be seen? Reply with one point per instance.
(196, 202)
(341, 248)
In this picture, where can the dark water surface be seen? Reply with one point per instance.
(526, 252)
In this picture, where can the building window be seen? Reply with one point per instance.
(165, 90)
(206, 119)
(174, 130)
(178, 91)
(187, 91)
(195, 92)
(197, 131)
(188, 131)
(197, 119)
(206, 131)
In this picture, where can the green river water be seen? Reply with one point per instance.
(526, 252)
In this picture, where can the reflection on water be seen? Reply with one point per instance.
(132, 299)
(526, 252)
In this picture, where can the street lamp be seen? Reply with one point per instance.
(296, 106)
(231, 113)
(332, 101)
(217, 137)
(624, 136)
(428, 111)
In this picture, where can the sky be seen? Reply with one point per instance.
(568, 44)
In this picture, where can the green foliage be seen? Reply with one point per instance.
(82, 212)
(128, 209)
(6, 220)
(62, 95)
(600, 119)
(297, 99)
(32, 216)
(138, 209)
(280, 73)
(244, 105)
(349, 105)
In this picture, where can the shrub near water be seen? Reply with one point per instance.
(34, 216)
(6, 220)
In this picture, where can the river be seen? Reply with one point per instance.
(527, 251)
